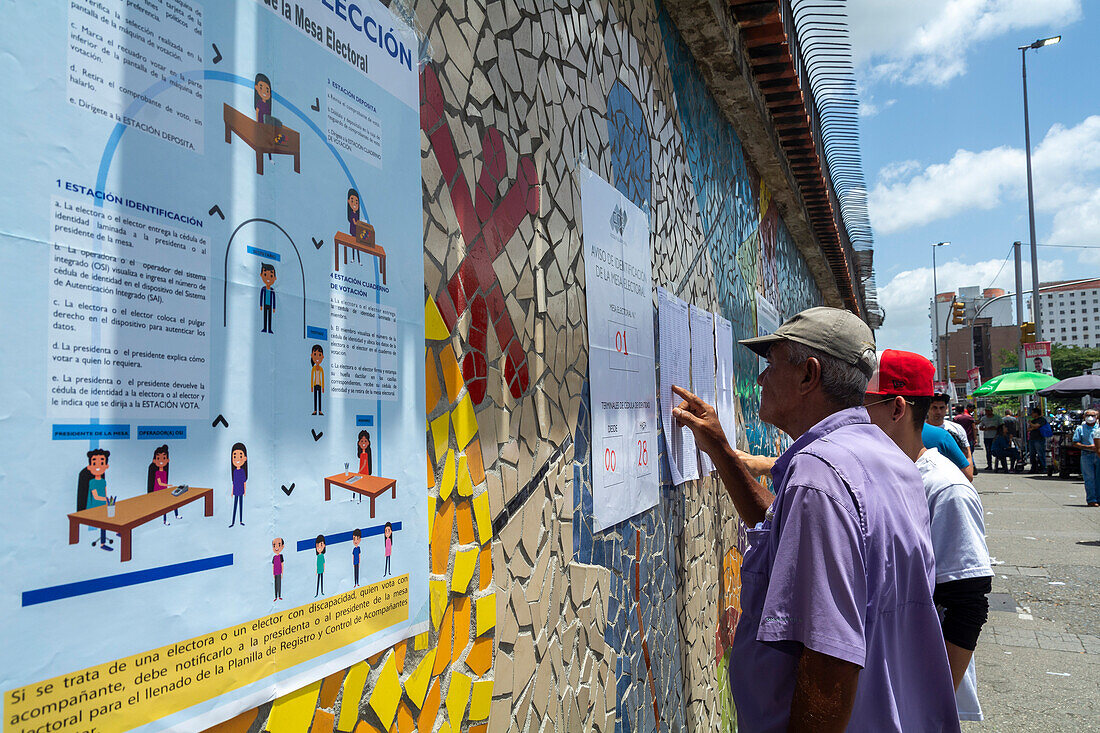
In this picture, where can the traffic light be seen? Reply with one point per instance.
(951, 371)
(1027, 333)
(958, 312)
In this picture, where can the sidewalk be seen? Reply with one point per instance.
(1038, 658)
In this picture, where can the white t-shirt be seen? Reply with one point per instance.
(958, 544)
(957, 432)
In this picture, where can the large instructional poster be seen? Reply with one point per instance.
(621, 364)
(211, 244)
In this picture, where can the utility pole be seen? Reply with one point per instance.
(1035, 314)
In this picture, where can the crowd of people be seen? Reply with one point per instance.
(864, 587)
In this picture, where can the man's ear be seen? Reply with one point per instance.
(901, 409)
(811, 376)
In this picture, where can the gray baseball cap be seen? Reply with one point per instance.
(832, 330)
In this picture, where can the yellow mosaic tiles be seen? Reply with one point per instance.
(353, 692)
(416, 686)
(447, 482)
(481, 517)
(480, 698)
(465, 423)
(386, 693)
(434, 327)
(486, 613)
(458, 695)
(292, 713)
(465, 562)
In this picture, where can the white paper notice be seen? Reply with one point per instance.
(621, 363)
(673, 320)
(702, 367)
(767, 321)
(724, 377)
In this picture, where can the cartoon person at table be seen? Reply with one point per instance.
(158, 476)
(317, 377)
(320, 546)
(267, 295)
(261, 100)
(238, 475)
(353, 216)
(362, 447)
(388, 534)
(356, 538)
(91, 489)
(277, 566)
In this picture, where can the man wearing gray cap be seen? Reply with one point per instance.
(838, 629)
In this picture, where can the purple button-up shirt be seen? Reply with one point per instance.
(843, 565)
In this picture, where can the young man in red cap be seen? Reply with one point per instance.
(897, 401)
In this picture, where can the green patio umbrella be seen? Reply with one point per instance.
(1015, 383)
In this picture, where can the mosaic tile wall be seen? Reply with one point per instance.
(537, 622)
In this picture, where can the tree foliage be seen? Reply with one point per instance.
(1006, 358)
(1072, 361)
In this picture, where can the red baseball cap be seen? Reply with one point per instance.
(902, 373)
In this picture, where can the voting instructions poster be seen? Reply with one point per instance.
(621, 363)
(211, 246)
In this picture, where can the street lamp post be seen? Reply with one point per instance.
(1035, 311)
(936, 307)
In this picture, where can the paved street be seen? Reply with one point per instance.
(1039, 655)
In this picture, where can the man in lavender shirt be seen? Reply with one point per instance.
(838, 629)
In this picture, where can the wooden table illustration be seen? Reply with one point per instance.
(360, 483)
(135, 511)
(342, 239)
(261, 137)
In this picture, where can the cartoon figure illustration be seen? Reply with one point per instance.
(91, 489)
(158, 476)
(362, 447)
(267, 295)
(353, 217)
(261, 100)
(320, 566)
(356, 538)
(238, 474)
(317, 377)
(277, 566)
(388, 533)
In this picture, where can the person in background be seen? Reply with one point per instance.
(1084, 438)
(947, 445)
(990, 425)
(838, 629)
(1003, 449)
(937, 414)
(964, 415)
(1036, 441)
(898, 395)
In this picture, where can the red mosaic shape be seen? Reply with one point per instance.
(487, 221)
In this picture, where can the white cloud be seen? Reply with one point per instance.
(1066, 166)
(927, 42)
(907, 296)
(868, 107)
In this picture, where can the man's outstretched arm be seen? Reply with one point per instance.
(749, 498)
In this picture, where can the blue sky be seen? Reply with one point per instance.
(943, 145)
